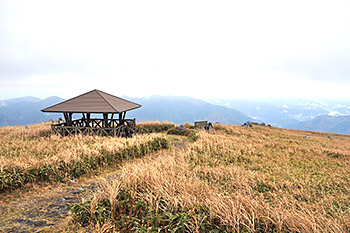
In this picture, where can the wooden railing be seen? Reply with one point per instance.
(96, 127)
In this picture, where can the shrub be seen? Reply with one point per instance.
(179, 131)
(193, 136)
(154, 127)
(189, 126)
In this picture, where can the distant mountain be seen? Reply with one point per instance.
(22, 99)
(286, 113)
(314, 115)
(184, 109)
(22, 111)
(26, 110)
(325, 123)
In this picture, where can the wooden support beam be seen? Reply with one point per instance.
(88, 119)
(121, 118)
(83, 120)
(70, 118)
(67, 118)
(111, 121)
(105, 120)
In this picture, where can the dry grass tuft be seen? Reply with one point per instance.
(154, 126)
(24, 147)
(260, 179)
(28, 157)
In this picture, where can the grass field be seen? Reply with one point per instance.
(29, 154)
(232, 179)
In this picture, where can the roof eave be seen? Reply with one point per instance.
(46, 110)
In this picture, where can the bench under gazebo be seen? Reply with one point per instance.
(112, 108)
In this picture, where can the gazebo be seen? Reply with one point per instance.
(94, 102)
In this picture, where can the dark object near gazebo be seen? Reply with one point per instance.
(91, 103)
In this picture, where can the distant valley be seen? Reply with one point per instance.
(305, 114)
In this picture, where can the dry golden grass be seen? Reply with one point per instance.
(154, 126)
(24, 147)
(151, 123)
(249, 179)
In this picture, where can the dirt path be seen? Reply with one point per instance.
(42, 209)
(46, 208)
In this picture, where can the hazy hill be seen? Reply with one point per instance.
(314, 115)
(325, 123)
(26, 110)
(184, 109)
(288, 113)
(22, 99)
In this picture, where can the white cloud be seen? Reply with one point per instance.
(226, 49)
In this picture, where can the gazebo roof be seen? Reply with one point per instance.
(94, 101)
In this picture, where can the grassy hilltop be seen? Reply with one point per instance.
(231, 179)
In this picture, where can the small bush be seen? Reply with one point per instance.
(179, 131)
(154, 127)
(193, 136)
(189, 126)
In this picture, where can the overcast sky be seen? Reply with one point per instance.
(202, 49)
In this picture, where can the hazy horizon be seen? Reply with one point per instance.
(200, 49)
(266, 99)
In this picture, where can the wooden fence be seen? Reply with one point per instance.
(98, 127)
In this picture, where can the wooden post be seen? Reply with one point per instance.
(105, 120)
(68, 118)
(65, 118)
(111, 121)
(83, 120)
(121, 118)
(88, 119)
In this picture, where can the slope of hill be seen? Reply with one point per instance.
(325, 123)
(22, 111)
(184, 109)
(26, 110)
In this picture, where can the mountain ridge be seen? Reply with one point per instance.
(293, 114)
(326, 123)
(180, 109)
(26, 110)
(177, 109)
